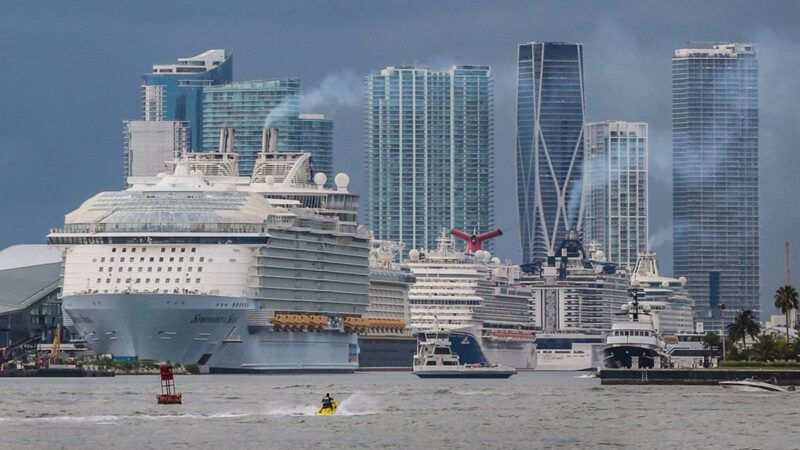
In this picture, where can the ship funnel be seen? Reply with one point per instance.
(269, 140)
(226, 140)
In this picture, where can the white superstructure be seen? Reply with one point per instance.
(665, 297)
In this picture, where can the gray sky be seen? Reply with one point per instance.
(71, 75)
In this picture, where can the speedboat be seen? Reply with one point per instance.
(436, 359)
(328, 411)
(753, 384)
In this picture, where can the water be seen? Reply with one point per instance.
(530, 410)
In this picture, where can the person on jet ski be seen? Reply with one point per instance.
(327, 401)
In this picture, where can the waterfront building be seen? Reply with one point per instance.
(30, 300)
(715, 177)
(429, 152)
(248, 107)
(174, 91)
(615, 189)
(315, 135)
(550, 118)
(150, 145)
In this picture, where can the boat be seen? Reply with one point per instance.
(388, 344)
(326, 411)
(265, 274)
(753, 384)
(475, 294)
(634, 341)
(435, 358)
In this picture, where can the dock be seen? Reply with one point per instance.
(694, 376)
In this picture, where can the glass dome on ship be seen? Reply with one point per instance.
(264, 273)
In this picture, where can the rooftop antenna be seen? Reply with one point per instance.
(788, 255)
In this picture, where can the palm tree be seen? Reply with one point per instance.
(744, 324)
(786, 300)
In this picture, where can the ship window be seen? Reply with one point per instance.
(163, 249)
(202, 258)
(114, 250)
(118, 280)
(189, 269)
(169, 269)
(149, 269)
(171, 259)
(147, 280)
(119, 269)
(138, 280)
(197, 280)
(172, 250)
(103, 259)
(141, 259)
(94, 259)
(98, 280)
(193, 249)
(200, 269)
(183, 249)
(430, 363)
(441, 351)
(191, 259)
(161, 259)
(127, 280)
(158, 269)
(101, 269)
(139, 269)
(130, 269)
(167, 280)
(108, 280)
(112, 259)
(144, 250)
(179, 269)
(158, 280)
(124, 249)
(133, 250)
(180, 259)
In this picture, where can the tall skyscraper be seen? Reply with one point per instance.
(248, 107)
(550, 116)
(715, 175)
(615, 189)
(429, 152)
(174, 91)
(150, 144)
(315, 135)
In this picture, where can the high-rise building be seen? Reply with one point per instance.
(248, 107)
(174, 91)
(315, 135)
(615, 189)
(550, 117)
(715, 175)
(149, 145)
(429, 152)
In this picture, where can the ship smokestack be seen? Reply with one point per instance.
(272, 140)
(226, 140)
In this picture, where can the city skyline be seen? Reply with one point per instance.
(614, 47)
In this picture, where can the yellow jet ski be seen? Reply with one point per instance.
(327, 411)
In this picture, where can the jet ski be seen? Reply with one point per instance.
(327, 411)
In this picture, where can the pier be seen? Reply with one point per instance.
(694, 376)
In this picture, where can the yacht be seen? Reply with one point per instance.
(435, 358)
(634, 342)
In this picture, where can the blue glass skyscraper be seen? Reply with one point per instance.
(429, 152)
(715, 176)
(174, 91)
(550, 117)
(315, 135)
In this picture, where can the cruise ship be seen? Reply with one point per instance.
(473, 296)
(668, 300)
(268, 273)
(576, 294)
(389, 345)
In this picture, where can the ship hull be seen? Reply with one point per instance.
(623, 357)
(206, 330)
(389, 353)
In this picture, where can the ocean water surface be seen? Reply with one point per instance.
(388, 410)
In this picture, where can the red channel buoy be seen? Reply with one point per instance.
(168, 395)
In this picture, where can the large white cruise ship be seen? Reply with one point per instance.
(268, 273)
(472, 295)
(666, 298)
